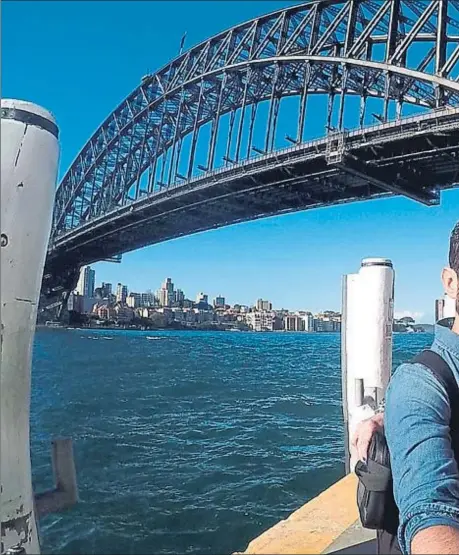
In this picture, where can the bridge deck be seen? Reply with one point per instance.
(417, 153)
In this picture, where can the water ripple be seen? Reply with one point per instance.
(186, 442)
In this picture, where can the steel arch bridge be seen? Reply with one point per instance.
(228, 132)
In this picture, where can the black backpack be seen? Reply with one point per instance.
(375, 497)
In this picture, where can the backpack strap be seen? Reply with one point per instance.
(443, 373)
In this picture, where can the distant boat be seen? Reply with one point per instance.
(52, 324)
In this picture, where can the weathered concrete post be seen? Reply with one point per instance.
(366, 343)
(29, 162)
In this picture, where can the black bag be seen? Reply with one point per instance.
(375, 497)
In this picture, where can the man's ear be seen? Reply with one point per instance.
(450, 282)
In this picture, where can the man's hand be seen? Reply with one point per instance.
(364, 433)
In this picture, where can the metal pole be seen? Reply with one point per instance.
(215, 125)
(253, 116)
(303, 100)
(344, 378)
(241, 120)
(195, 135)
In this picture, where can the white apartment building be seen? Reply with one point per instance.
(260, 321)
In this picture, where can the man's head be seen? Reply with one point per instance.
(451, 274)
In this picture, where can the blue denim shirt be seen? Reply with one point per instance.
(426, 476)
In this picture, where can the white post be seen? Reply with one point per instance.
(29, 161)
(368, 311)
(449, 307)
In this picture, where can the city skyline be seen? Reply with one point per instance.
(295, 259)
(168, 296)
(170, 308)
(422, 309)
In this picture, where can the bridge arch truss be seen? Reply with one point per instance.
(203, 110)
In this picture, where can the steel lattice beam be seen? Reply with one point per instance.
(331, 47)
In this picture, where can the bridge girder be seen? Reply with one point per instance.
(400, 51)
(184, 152)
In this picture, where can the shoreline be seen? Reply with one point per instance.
(232, 330)
(187, 329)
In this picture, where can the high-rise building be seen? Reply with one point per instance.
(86, 282)
(260, 321)
(179, 296)
(75, 302)
(308, 319)
(121, 293)
(219, 302)
(147, 299)
(134, 300)
(263, 305)
(106, 290)
(202, 298)
(166, 294)
(293, 322)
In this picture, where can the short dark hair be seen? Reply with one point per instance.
(454, 249)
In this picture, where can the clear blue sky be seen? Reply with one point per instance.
(80, 59)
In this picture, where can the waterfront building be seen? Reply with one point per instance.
(123, 314)
(163, 297)
(134, 300)
(121, 293)
(202, 298)
(263, 305)
(204, 316)
(326, 324)
(179, 297)
(88, 303)
(308, 320)
(166, 294)
(219, 302)
(147, 299)
(86, 282)
(146, 312)
(167, 313)
(293, 322)
(98, 293)
(179, 315)
(106, 290)
(260, 320)
(75, 303)
(104, 311)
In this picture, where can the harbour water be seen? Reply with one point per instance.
(187, 442)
